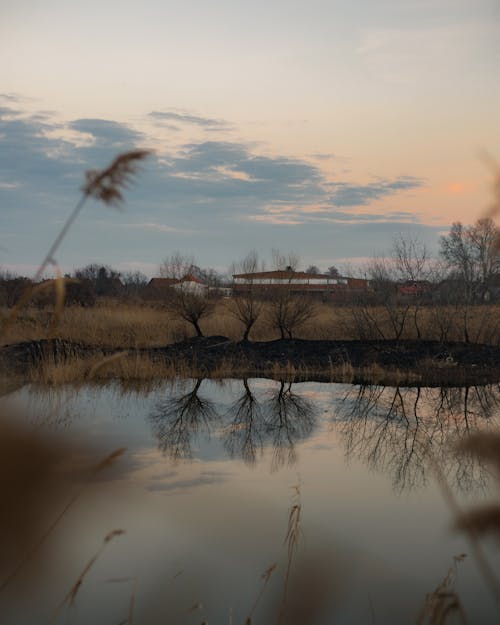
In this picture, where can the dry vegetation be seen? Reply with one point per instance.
(123, 326)
(144, 372)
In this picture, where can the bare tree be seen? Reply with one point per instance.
(135, 282)
(247, 306)
(412, 264)
(313, 269)
(190, 302)
(411, 258)
(408, 266)
(177, 265)
(105, 279)
(285, 262)
(191, 306)
(472, 254)
(288, 312)
(388, 318)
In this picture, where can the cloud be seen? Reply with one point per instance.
(151, 226)
(204, 479)
(106, 132)
(279, 220)
(8, 96)
(209, 197)
(207, 123)
(346, 194)
(299, 216)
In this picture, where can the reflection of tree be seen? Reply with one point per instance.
(282, 420)
(289, 418)
(179, 418)
(244, 434)
(401, 431)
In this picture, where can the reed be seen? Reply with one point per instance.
(70, 597)
(126, 325)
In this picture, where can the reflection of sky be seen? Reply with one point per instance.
(222, 522)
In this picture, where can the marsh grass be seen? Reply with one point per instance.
(126, 325)
(443, 602)
(70, 597)
(143, 370)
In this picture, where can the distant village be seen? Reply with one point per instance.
(467, 270)
(94, 282)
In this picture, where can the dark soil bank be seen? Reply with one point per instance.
(420, 362)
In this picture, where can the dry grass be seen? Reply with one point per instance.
(443, 603)
(123, 366)
(142, 371)
(127, 325)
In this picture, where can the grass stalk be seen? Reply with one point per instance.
(105, 463)
(72, 593)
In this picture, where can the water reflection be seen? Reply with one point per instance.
(280, 419)
(244, 435)
(180, 418)
(401, 431)
(289, 418)
(393, 430)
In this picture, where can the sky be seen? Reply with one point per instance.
(325, 128)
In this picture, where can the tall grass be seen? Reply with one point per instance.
(126, 325)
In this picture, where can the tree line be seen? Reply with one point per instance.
(466, 272)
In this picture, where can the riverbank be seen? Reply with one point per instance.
(410, 362)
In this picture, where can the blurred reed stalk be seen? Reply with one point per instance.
(105, 185)
(474, 444)
(107, 462)
(70, 597)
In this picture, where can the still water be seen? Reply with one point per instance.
(216, 473)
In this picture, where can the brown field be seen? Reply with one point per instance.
(125, 325)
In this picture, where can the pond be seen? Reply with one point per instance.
(305, 502)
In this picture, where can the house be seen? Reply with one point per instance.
(324, 285)
(191, 284)
(412, 289)
(160, 287)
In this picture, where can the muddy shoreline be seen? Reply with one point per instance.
(422, 363)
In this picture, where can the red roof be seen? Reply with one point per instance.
(162, 282)
(190, 278)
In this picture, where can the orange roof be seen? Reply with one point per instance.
(190, 278)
